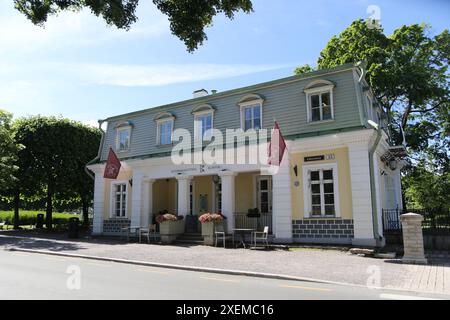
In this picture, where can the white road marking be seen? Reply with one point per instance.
(306, 288)
(402, 297)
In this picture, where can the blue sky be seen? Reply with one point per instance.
(82, 69)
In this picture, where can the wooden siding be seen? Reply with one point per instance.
(285, 102)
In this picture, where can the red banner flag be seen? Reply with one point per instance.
(277, 147)
(113, 165)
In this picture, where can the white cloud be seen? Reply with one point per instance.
(160, 75)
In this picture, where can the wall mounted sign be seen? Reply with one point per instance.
(202, 168)
(314, 158)
(330, 156)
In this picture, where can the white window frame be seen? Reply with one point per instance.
(307, 190)
(119, 130)
(112, 211)
(198, 129)
(251, 104)
(318, 91)
(160, 122)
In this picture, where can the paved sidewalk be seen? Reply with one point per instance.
(327, 265)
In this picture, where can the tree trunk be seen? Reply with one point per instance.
(49, 210)
(85, 212)
(16, 208)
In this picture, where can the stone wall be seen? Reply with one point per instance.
(114, 226)
(323, 230)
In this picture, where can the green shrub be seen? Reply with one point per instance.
(30, 217)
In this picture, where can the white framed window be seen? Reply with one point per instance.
(123, 138)
(321, 191)
(251, 116)
(165, 130)
(119, 199)
(203, 125)
(319, 103)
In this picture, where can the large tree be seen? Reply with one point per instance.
(53, 159)
(8, 150)
(188, 18)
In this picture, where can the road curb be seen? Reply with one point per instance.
(212, 270)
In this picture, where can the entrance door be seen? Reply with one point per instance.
(264, 194)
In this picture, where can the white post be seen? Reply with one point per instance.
(413, 239)
(183, 195)
(361, 194)
(136, 200)
(281, 203)
(147, 207)
(228, 197)
(99, 203)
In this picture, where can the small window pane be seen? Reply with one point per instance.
(264, 185)
(315, 114)
(316, 199)
(315, 101)
(264, 197)
(316, 211)
(315, 188)
(328, 174)
(329, 210)
(315, 175)
(328, 187)
(329, 199)
(326, 99)
(326, 113)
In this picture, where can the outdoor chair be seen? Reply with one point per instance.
(219, 232)
(263, 236)
(149, 233)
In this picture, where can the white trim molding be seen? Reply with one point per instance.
(113, 184)
(251, 101)
(319, 87)
(119, 130)
(307, 190)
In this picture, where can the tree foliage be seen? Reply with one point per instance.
(408, 72)
(52, 162)
(8, 150)
(188, 18)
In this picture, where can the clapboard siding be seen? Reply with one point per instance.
(285, 102)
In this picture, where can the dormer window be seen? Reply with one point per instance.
(251, 108)
(203, 122)
(319, 101)
(164, 124)
(123, 137)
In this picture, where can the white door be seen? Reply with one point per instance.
(264, 194)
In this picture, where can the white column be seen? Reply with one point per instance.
(99, 203)
(136, 199)
(147, 207)
(228, 197)
(361, 194)
(282, 202)
(183, 194)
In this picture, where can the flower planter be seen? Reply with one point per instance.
(170, 230)
(208, 229)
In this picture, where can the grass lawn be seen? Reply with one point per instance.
(28, 218)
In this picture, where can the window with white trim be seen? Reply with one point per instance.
(319, 102)
(123, 138)
(203, 123)
(119, 200)
(321, 191)
(165, 129)
(251, 117)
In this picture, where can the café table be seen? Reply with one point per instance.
(242, 232)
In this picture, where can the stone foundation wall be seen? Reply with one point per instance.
(114, 226)
(323, 230)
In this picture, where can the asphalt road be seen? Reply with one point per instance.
(37, 276)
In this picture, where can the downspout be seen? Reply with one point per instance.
(373, 186)
(88, 172)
